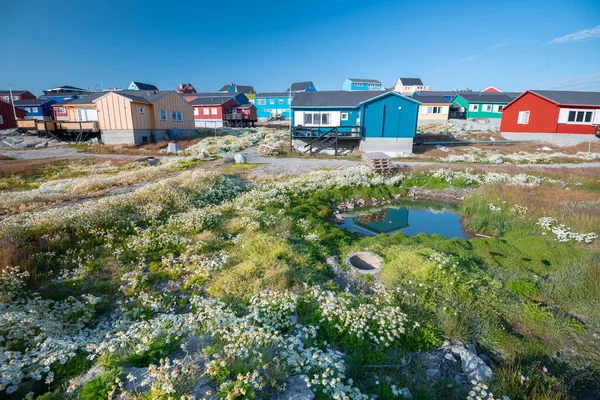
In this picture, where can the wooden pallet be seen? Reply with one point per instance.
(267, 150)
(379, 162)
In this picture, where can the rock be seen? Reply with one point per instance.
(296, 389)
(450, 357)
(240, 158)
(471, 347)
(350, 206)
(482, 373)
(431, 372)
(458, 378)
(446, 343)
(202, 388)
(41, 145)
(406, 393)
(173, 148)
(138, 375)
(294, 319)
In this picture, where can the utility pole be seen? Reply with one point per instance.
(12, 101)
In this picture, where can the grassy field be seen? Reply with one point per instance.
(201, 277)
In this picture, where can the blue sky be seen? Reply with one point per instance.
(514, 45)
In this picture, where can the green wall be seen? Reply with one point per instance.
(477, 114)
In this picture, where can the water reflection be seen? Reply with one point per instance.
(410, 218)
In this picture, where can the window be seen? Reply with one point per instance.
(205, 111)
(271, 101)
(325, 119)
(280, 101)
(163, 114)
(434, 110)
(500, 108)
(308, 119)
(142, 110)
(213, 111)
(27, 109)
(262, 102)
(15, 97)
(195, 111)
(580, 116)
(1, 120)
(60, 109)
(474, 107)
(344, 116)
(523, 117)
(176, 116)
(34, 109)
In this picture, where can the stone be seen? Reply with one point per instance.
(173, 148)
(41, 145)
(139, 374)
(471, 347)
(406, 393)
(202, 388)
(240, 158)
(294, 319)
(431, 372)
(482, 373)
(296, 389)
(446, 343)
(450, 357)
(350, 206)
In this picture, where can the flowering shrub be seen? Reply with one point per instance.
(564, 233)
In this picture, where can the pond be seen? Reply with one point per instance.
(408, 217)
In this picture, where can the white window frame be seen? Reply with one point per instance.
(474, 107)
(176, 116)
(163, 115)
(344, 116)
(320, 116)
(523, 118)
(583, 114)
(60, 109)
(213, 111)
(205, 111)
(434, 110)
(142, 110)
(261, 102)
(487, 107)
(272, 102)
(196, 112)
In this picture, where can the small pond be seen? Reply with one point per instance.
(408, 217)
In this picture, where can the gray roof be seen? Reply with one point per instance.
(239, 88)
(484, 97)
(411, 81)
(273, 94)
(334, 98)
(139, 96)
(210, 101)
(89, 99)
(247, 105)
(358, 80)
(299, 86)
(145, 86)
(14, 92)
(62, 103)
(34, 102)
(570, 97)
(440, 92)
(431, 99)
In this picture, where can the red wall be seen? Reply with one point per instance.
(543, 115)
(8, 116)
(249, 113)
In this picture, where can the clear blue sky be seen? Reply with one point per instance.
(513, 45)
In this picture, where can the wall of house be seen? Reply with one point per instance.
(425, 116)
(543, 115)
(351, 117)
(273, 106)
(383, 118)
(20, 96)
(116, 112)
(73, 111)
(349, 85)
(479, 113)
(173, 102)
(7, 115)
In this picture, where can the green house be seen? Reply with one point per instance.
(482, 104)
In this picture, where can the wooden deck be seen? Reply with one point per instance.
(322, 137)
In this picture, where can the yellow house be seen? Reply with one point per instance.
(136, 116)
(433, 109)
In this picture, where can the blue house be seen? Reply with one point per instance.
(36, 109)
(362, 84)
(339, 121)
(62, 93)
(273, 105)
(277, 104)
(306, 86)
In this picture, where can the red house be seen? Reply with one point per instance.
(7, 115)
(559, 117)
(186, 88)
(59, 111)
(492, 89)
(224, 110)
(16, 95)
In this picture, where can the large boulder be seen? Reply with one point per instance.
(296, 389)
(240, 158)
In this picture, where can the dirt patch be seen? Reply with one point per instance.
(448, 194)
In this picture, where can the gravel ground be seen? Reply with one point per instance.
(272, 165)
